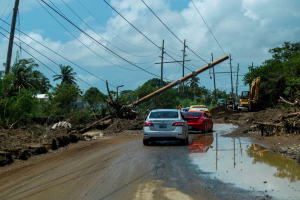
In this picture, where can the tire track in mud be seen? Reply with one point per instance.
(110, 157)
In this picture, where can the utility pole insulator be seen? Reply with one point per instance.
(11, 37)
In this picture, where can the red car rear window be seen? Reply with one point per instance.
(193, 113)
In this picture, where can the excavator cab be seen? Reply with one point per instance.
(252, 100)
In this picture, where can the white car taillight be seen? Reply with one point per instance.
(148, 124)
(177, 124)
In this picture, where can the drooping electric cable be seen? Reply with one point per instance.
(103, 37)
(42, 55)
(172, 31)
(140, 32)
(96, 40)
(209, 28)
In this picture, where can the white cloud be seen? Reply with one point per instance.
(246, 29)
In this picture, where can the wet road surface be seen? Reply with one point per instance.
(211, 167)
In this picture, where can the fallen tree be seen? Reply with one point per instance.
(117, 110)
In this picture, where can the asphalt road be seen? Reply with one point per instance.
(124, 171)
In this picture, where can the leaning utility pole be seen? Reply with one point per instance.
(11, 37)
(162, 64)
(184, 46)
(173, 84)
(231, 76)
(215, 93)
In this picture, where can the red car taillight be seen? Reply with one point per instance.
(148, 124)
(200, 120)
(177, 124)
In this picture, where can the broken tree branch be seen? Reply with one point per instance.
(282, 117)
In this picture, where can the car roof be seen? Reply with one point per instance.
(204, 106)
(156, 110)
(195, 111)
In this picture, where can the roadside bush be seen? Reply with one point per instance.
(15, 106)
(62, 99)
(79, 116)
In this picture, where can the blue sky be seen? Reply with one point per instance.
(244, 28)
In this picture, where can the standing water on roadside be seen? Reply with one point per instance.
(245, 164)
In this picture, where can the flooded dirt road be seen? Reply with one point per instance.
(211, 167)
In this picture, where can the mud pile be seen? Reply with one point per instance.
(220, 112)
(120, 125)
(22, 144)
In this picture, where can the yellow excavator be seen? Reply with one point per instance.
(251, 100)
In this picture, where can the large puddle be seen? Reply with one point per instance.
(245, 164)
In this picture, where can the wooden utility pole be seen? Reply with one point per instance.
(231, 76)
(215, 93)
(184, 46)
(237, 82)
(11, 37)
(162, 64)
(171, 85)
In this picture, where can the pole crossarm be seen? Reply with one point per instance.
(222, 72)
(183, 79)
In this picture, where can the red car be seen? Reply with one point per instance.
(198, 121)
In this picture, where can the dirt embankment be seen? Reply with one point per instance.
(278, 139)
(21, 144)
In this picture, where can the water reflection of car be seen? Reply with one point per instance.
(198, 121)
(201, 144)
(200, 108)
(165, 124)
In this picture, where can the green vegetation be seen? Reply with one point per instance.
(19, 105)
(279, 75)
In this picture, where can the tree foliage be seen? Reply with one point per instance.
(63, 97)
(15, 106)
(279, 75)
(27, 77)
(95, 98)
(67, 75)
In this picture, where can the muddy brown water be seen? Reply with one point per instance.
(244, 164)
(211, 167)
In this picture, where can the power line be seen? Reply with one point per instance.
(7, 17)
(97, 41)
(84, 44)
(31, 55)
(171, 31)
(57, 54)
(209, 28)
(42, 55)
(138, 30)
(108, 28)
(103, 37)
(6, 8)
(75, 36)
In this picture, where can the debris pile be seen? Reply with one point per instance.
(23, 144)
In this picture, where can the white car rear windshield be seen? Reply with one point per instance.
(199, 109)
(164, 114)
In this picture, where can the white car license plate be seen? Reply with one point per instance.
(190, 127)
(162, 126)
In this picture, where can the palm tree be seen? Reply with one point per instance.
(194, 81)
(67, 75)
(26, 77)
